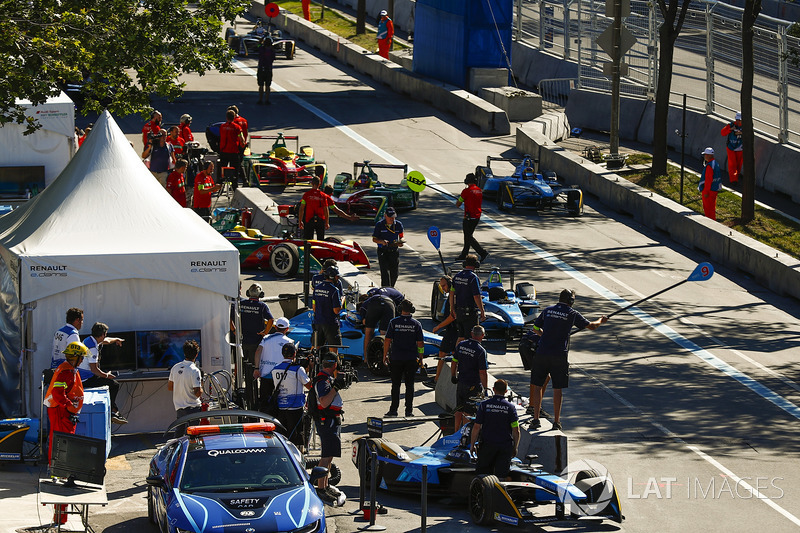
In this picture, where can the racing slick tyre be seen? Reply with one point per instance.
(336, 240)
(334, 472)
(368, 444)
(151, 510)
(284, 260)
(375, 358)
(481, 491)
(437, 303)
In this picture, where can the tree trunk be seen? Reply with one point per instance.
(361, 17)
(751, 10)
(661, 114)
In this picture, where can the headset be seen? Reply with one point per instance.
(567, 296)
(471, 261)
(408, 307)
(255, 291)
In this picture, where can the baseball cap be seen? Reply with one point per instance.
(708, 151)
(282, 323)
(738, 116)
(384, 13)
(390, 212)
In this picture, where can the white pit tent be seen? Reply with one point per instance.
(107, 238)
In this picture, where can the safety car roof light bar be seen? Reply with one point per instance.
(251, 427)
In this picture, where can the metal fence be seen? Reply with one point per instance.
(707, 66)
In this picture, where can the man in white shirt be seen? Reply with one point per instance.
(269, 354)
(66, 335)
(90, 372)
(185, 382)
(291, 382)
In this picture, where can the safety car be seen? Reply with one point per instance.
(281, 164)
(507, 311)
(533, 496)
(248, 44)
(528, 188)
(284, 255)
(232, 477)
(362, 193)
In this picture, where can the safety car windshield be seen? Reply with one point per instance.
(239, 470)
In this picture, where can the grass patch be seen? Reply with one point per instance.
(336, 23)
(767, 227)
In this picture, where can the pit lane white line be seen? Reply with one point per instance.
(686, 344)
(668, 332)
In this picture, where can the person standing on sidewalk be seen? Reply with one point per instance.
(472, 198)
(186, 383)
(405, 341)
(90, 371)
(388, 235)
(710, 182)
(385, 34)
(733, 132)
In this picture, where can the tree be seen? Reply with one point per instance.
(674, 15)
(752, 8)
(124, 50)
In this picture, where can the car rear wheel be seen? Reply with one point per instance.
(375, 358)
(334, 472)
(366, 474)
(284, 260)
(481, 506)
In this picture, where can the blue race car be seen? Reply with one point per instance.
(528, 188)
(507, 311)
(587, 495)
(232, 477)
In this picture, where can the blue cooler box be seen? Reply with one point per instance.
(95, 418)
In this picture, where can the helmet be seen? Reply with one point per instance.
(289, 350)
(528, 172)
(255, 291)
(75, 350)
(331, 272)
(185, 118)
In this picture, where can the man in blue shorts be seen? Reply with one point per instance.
(554, 325)
(468, 370)
(466, 305)
(498, 424)
(328, 418)
(405, 341)
(327, 304)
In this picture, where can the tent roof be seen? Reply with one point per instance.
(106, 217)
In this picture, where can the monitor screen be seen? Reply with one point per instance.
(113, 357)
(163, 349)
(82, 458)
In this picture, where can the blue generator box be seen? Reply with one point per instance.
(95, 418)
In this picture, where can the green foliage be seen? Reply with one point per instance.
(128, 49)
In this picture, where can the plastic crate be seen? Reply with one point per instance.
(95, 418)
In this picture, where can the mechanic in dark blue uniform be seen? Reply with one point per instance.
(255, 321)
(388, 235)
(497, 425)
(327, 304)
(319, 277)
(468, 370)
(375, 310)
(466, 305)
(448, 328)
(405, 342)
(554, 326)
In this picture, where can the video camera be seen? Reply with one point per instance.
(155, 136)
(310, 358)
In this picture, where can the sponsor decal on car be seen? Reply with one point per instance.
(506, 519)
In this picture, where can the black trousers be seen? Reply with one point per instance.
(315, 224)
(294, 431)
(266, 387)
(403, 371)
(389, 261)
(113, 388)
(469, 229)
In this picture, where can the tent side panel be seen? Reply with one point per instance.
(10, 342)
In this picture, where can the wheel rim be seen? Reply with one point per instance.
(281, 261)
(476, 501)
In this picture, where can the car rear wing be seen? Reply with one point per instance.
(358, 166)
(516, 161)
(488, 270)
(376, 424)
(294, 138)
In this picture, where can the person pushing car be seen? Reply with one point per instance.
(497, 425)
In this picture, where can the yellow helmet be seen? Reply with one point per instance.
(75, 350)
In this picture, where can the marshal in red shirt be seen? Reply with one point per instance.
(316, 203)
(229, 138)
(471, 197)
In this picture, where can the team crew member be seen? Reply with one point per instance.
(554, 326)
(472, 198)
(256, 321)
(466, 305)
(90, 372)
(186, 382)
(733, 132)
(204, 188)
(176, 182)
(66, 335)
(710, 182)
(314, 214)
(291, 381)
(231, 142)
(388, 235)
(385, 34)
(449, 330)
(64, 399)
(328, 421)
(319, 277)
(174, 138)
(327, 304)
(269, 354)
(405, 342)
(185, 127)
(161, 156)
(396, 296)
(151, 127)
(498, 424)
(468, 370)
(375, 310)
(266, 58)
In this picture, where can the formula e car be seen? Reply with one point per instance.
(232, 477)
(248, 44)
(362, 193)
(282, 165)
(284, 255)
(507, 311)
(528, 188)
(586, 495)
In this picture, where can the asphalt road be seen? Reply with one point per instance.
(690, 400)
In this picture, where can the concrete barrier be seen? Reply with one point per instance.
(773, 269)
